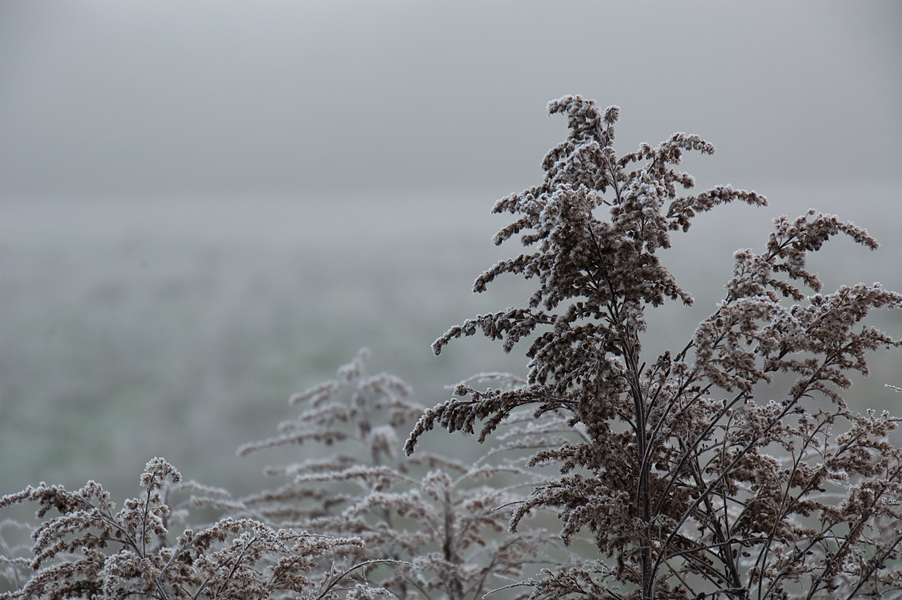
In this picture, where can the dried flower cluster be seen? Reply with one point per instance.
(729, 467)
(90, 550)
(355, 518)
(438, 522)
(689, 486)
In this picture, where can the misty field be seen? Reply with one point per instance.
(178, 327)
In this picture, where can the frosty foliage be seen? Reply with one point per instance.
(437, 523)
(727, 468)
(697, 473)
(85, 548)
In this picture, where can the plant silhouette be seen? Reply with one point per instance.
(729, 467)
(690, 486)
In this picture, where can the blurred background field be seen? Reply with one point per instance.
(178, 329)
(205, 208)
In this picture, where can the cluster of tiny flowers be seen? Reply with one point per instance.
(686, 485)
(433, 524)
(87, 549)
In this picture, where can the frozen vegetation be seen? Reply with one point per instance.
(665, 436)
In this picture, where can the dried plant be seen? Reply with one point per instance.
(88, 550)
(15, 558)
(688, 485)
(438, 520)
(683, 483)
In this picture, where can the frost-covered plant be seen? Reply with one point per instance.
(690, 486)
(87, 549)
(440, 521)
(14, 556)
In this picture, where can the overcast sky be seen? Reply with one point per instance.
(211, 97)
